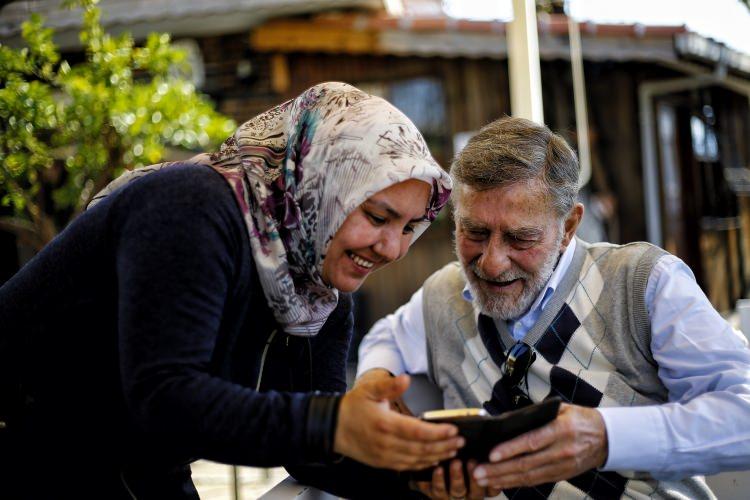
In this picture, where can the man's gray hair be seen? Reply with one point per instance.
(511, 150)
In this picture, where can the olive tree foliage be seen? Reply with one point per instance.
(66, 130)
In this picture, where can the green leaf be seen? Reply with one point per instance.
(69, 127)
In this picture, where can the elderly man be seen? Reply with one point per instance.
(656, 384)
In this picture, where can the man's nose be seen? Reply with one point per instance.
(494, 260)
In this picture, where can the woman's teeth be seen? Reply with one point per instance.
(360, 261)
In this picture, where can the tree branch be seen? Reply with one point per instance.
(24, 230)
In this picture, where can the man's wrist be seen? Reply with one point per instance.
(604, 449)
(387, 362)
(634, 447)
(379, 369)
(373, 373)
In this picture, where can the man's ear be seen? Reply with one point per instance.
(571, 224)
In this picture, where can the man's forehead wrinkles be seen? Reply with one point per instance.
(525, 231)
(473, 224)
(521, 230)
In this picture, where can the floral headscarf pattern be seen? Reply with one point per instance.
(298, 170)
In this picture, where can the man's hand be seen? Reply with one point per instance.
(397, 404)
(457, 484)
(370, 432)
(573, 443)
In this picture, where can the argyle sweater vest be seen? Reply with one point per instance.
(593, 349)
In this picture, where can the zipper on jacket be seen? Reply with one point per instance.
(263, 357)
(127, 488)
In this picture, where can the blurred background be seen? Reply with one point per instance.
(654, 95)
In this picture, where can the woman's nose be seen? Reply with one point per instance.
(389, 245)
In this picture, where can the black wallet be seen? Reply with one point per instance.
(483, 432)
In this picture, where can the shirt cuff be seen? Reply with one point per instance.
(636, 438)
(322, 418)
(381, 359)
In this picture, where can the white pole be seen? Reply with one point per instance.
(523, 63)
(579, 99)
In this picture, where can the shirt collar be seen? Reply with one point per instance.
(554, 280)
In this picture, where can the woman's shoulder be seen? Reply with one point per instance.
(181, 188)
(185, 199)
(190, 181)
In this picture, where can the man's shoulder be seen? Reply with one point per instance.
(443, 291)
(449, 276)
(634, 251)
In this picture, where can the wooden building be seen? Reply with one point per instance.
(668, 110)
(451, 78)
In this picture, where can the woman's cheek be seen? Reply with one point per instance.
(406, 243)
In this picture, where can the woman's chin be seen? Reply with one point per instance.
(346, 283)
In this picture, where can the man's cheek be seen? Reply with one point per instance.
(467, 249)
(531, 259)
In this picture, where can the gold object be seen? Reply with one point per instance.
(455, 413)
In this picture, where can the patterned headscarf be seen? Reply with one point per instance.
(298, 170)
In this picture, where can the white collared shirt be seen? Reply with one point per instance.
(703, 362)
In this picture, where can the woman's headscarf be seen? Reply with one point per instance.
(298, 170)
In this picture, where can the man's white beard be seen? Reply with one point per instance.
(503, 306)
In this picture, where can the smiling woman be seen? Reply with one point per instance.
(198, 310)
(378, 232)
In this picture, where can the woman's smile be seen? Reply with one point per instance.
(360, 262)
(381, 230)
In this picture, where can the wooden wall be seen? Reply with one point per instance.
(475, 92)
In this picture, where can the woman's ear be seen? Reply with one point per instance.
(571, 224)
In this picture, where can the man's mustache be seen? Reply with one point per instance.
(504, 277)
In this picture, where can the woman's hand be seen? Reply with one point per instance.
(368, 431)
(457, 487)
(397, 404)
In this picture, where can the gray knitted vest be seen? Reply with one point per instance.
(593, 349)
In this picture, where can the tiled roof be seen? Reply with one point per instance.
(440, 35)
(427, 32)
(199, 17)
(554, 24)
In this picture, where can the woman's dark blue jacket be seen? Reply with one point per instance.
(133, 344)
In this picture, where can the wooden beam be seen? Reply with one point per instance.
(280, 79)
(300, 36)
